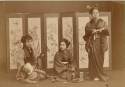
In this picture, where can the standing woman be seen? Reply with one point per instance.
(95, 36)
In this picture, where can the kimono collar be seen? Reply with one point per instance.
(64, 51)
(94, 21)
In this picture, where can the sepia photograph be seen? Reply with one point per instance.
(62, 43)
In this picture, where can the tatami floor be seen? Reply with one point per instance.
(117, 79)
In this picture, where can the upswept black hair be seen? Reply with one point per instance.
(66, 41)
(25, 38)
(93, 8)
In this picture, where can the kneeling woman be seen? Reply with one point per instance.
(63, 61)
(29, 74)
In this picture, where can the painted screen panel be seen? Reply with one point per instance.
(34, 29)
(15, 34)
(67, 27)
(83, 55)
(52, 39)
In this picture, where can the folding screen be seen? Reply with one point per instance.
(16, 53)
(34, 29)
(67, 28)
(51, 25)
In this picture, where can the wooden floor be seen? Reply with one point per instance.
(117, 79)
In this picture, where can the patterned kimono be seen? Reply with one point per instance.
(29, 55)
(63, 70)
(36, 74)
(96, 45)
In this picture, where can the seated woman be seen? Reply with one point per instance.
(29, 74)
(63, 61)
(28, 51)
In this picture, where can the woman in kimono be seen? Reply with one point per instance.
(63, 61)
(95, 36)
(30, 74)
(28, 51)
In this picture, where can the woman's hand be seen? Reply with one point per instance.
(65, 62)
(94, 30)
(97, 30)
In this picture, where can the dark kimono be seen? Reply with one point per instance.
(63, 70)
(96, 45)
(29, 55)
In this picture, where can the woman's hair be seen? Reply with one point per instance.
(92, 8)
(25, 38)
(67, 42)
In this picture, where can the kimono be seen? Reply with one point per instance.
(29, 55)
(63, 70)
(35, 75)
(96, 45)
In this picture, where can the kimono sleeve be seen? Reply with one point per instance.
(88, 32)
(104, 39)
(105, 32)
(26, 53)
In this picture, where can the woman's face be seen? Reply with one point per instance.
(95, 13)
(62, 46)
(29, 43)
